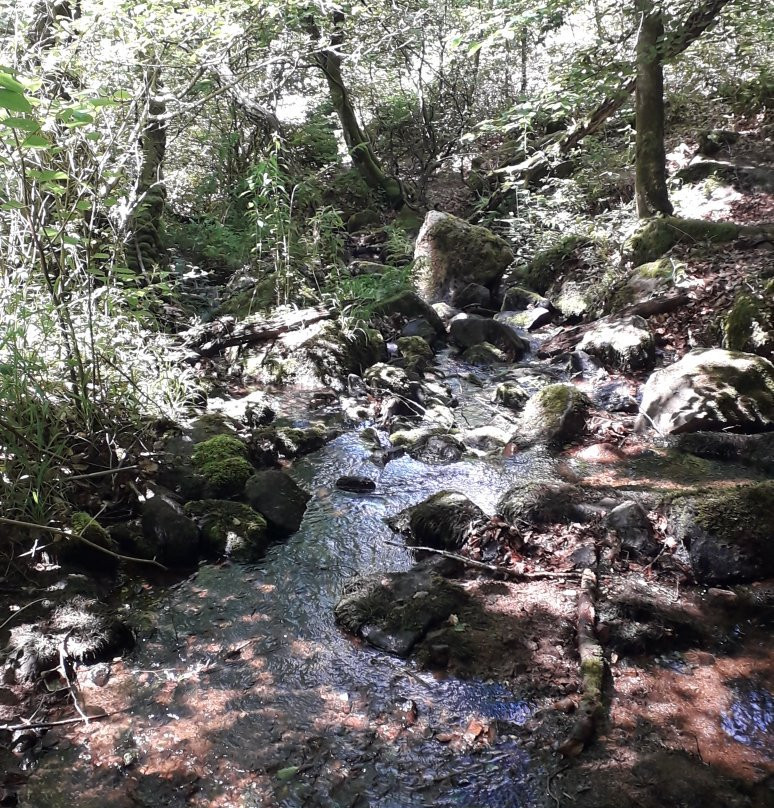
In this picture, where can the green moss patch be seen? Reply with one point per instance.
(222, 461)
(657, 236)
(229, 528)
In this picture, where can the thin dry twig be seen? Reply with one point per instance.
(491, 568)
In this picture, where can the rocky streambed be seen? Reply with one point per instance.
(313, 658)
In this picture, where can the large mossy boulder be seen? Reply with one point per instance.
(277, 497)
(269, 443)
(623, 343)
(416, 353)
(710, 390)
(555, 416)
(749, 326)
(394, 611)
(450, 253)
(729, 533)
(229, 528)
(467, 330)
(657, 236)
(444, 521)
(222, 462)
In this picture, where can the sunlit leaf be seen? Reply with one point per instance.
(25, 124)
(14, 102)
(35, 142)
(8, 82)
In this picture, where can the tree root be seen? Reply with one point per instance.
(592, 670)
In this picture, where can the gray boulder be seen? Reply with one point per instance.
(276, 496)
(467, 330)
(624, 343)
(474, 295)
(450, 253)
(710, 390)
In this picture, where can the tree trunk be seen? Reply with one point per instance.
(650, 183)
(145, 248)
(329, 61)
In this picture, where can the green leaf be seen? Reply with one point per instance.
(102, 101)
(46, 174)
(15, 102)
(12, 204)
(35, 142)
(288, 772)
(25, 124)
(93, 136)
(10, 83)
(476, 47)
(72, 240)
(83, 204)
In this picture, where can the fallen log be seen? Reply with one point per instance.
(213, 338)
(592, 670)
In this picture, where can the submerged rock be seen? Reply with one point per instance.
(394, 611)
(511, 395)
(276, 496)
(556, 415)
(450, 254)
(484, 354)
(437, 450)
(625, 343)
(229, 528)
(356, 484)
(710, 390)
(728, 533)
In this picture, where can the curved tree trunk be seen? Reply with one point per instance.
(650, 183)
(329, 60)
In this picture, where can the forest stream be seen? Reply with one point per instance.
(243, 691)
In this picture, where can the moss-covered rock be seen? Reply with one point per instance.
(541, 502)
(223, 463)
(168, 534)
(450, 253)
(749, 326)
(657, 236)
(277, 497)
(556, 415)
(467, 330)
(363, 219)
(710, 390)
(270, 443)
(511, 395)
(256, 298)
(75, 551)
(517, 298)
(409, 305)
(624, 343)
(229, 528)
(484, 355)
(410, 437)
(728, 533)
(416, 352)
(444, 521)
(394, 611)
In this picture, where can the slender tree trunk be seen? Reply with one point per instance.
(650, 184)
(329, 60)
(145, 247)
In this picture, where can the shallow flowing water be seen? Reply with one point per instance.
(242, 690)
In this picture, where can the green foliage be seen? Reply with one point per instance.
(313, 143)
(358, 296)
